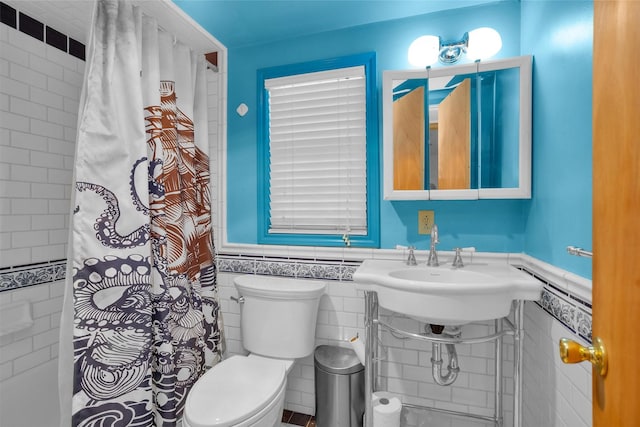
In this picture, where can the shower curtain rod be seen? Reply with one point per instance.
(173, 20)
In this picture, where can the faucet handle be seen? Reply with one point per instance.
(411, 258)
(457, 259)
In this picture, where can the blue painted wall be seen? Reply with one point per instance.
(560, 35)
(490, 226)
(559, 213)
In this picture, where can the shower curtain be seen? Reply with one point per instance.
(141, 319)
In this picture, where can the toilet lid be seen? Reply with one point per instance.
(233, 391)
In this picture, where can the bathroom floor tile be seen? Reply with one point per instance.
(297, 419)
(310, 423)
(286, 415)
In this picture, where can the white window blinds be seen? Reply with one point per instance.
(317, 144)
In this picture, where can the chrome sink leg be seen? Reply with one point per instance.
(370, 367)
(518, 349)
(498, 385)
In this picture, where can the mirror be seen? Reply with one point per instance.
(461, 132)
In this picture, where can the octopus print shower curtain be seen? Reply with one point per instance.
(141, 315)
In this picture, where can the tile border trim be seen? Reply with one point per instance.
(571, 311)
(300, 268)
(32, 274)
(568, 307)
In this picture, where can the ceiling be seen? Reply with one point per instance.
(239, 23)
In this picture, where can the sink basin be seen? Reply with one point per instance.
(445, 295)
(436, 275)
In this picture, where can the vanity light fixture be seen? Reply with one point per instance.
(481, 43)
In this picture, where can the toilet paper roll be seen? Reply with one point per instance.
(358, 348)
(386, 410)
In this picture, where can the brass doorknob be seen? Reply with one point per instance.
(573, 352)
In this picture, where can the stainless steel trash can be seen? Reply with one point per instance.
(339, 379)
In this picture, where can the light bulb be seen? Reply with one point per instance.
(484, 42)
(424, 51)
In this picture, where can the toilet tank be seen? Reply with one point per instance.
(278, 315)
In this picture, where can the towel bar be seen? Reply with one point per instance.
(579, 252)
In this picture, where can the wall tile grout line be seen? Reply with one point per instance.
(31, 265)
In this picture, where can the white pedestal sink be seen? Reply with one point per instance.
(444, 295)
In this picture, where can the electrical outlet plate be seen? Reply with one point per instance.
(426, 220)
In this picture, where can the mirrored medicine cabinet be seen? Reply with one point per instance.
(458, 133)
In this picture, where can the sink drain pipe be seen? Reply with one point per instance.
(436, 360)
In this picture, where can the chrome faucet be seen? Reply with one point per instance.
(457, 259)
(433, 254)
(411, 259)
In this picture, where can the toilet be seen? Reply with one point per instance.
(278, 323)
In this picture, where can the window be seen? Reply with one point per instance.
(318, 153)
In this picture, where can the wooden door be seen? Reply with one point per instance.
(616, 209)
(408, 141)
(454, 139)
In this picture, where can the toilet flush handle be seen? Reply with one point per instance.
(239, 300)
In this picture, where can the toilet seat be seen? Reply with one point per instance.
(234, 391)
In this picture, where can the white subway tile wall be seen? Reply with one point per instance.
(214, 83)
(38, 344)
(555, 394)
(40, 89)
